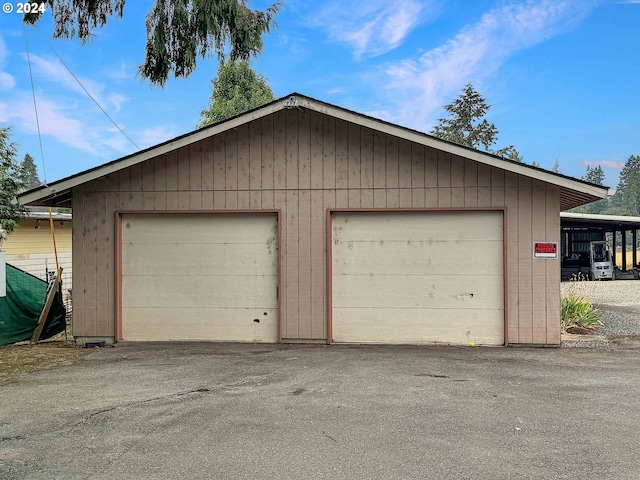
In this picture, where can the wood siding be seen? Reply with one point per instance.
(303, 163)
(31, 249)
(26, 239)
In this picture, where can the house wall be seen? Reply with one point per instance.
(31, 249)
(304, 163)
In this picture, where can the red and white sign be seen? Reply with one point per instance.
(545, 250)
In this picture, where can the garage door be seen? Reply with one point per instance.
(418, 277)
(200, 277)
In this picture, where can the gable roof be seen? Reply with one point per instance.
(573, 192)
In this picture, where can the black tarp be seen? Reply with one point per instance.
(20, 309)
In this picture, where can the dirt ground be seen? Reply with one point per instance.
(18, 359)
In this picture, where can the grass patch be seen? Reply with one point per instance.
(19, 359)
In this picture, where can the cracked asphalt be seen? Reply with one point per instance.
(202, 411)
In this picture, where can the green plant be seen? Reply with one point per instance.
(578, 313)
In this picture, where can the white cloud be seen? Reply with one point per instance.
(66, 114)
(113, 138)
(422, 86)
(605, 163)
(297, 45)
(49, 69)
(154, 135)
(61, 120)
(371, 28)
(116, 100)
(120, 73)
(53, 121)
(7, 82)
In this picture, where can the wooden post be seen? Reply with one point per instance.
(53, 236)
(51, 293)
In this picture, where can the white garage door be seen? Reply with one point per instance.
(200, 277)
(418, 277)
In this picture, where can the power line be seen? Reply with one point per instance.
(82, 86)
(35, 106)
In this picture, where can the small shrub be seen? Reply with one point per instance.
(577, 313)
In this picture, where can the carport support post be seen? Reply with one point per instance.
(634, 239)
(624, 250)
(613, 248)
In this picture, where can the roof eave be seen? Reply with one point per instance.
(590, 192)
(47, 194)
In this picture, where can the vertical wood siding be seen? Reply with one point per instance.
(304, 163)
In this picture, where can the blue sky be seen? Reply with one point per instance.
(561, 75)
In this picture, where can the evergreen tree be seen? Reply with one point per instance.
(28, 173)
(467, 126)
(594, 175)
(627, 197)
(510, 153)
(235, 90)
(9, 182)
(178, 31)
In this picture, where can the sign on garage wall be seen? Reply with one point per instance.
(545, 250)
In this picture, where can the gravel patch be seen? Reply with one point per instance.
(594, 341)
(619, 304)
(615, 292)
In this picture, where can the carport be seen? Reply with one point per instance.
(578, 229)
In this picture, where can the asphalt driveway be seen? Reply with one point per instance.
(204, 411)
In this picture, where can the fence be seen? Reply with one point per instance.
(67, 297)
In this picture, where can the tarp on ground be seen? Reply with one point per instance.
(20, 309)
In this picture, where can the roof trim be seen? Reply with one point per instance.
(296, 100)
(604, 218)
(45, 216)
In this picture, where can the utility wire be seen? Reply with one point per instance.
(35, 107)
(82, 86)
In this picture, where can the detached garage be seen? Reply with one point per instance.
(301, 221)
